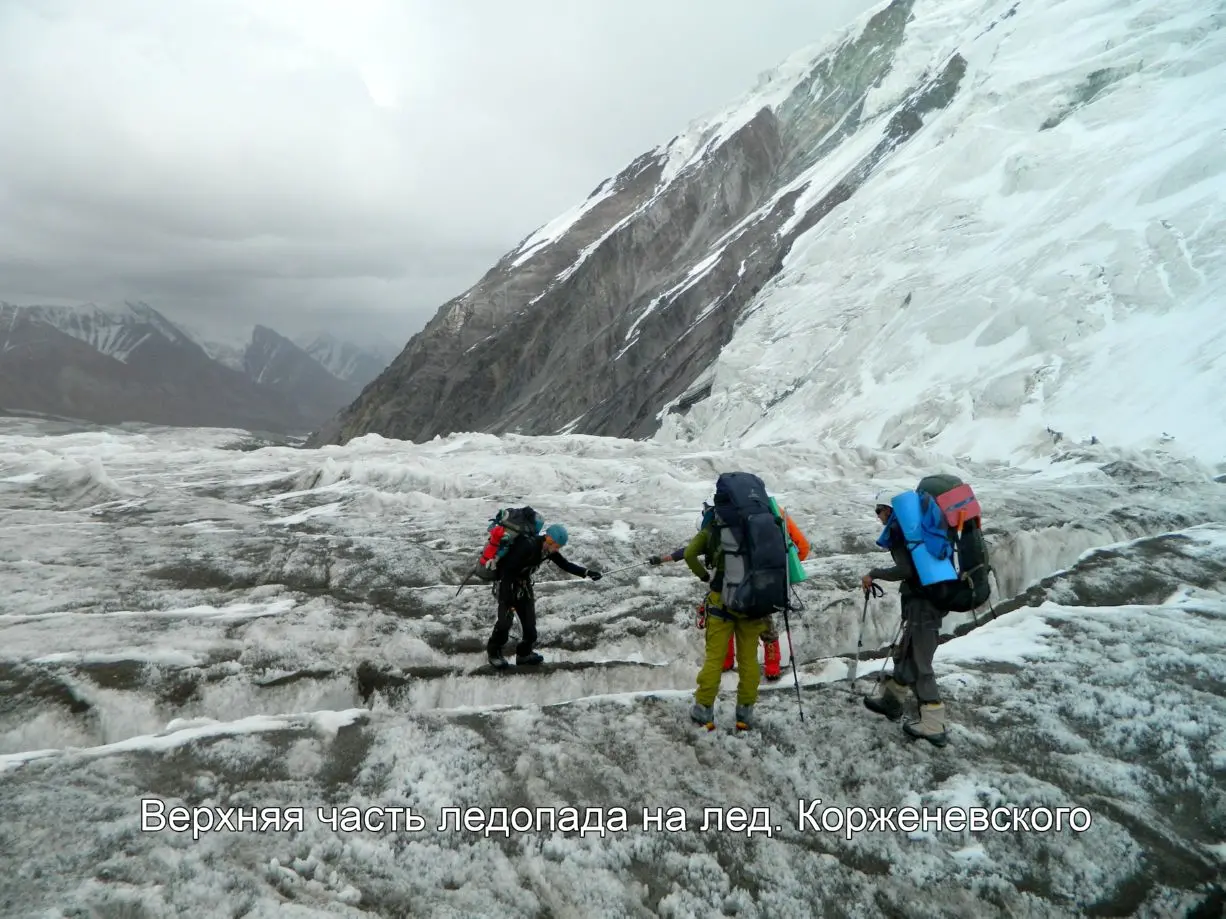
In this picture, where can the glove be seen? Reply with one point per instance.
(594, 574)
(705, 577)
(654, 560)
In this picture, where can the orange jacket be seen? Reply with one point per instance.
(798, 538)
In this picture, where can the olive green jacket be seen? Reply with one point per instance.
(701, 545)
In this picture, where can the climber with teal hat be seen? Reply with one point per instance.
(515, 591)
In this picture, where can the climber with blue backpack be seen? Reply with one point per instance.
(934, 538)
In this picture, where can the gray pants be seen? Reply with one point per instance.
(913, 659)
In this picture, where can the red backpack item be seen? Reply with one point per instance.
(505, 527)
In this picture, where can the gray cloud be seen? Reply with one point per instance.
(310, 162)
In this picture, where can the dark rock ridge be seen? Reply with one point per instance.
(275, 362)
(110, 366)
(597, 330)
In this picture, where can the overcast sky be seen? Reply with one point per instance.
(345, 164)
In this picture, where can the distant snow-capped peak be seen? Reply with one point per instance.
(115, 330)
(345, 360)
(226, 346)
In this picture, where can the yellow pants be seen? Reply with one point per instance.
(719, 631)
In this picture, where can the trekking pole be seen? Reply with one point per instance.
(876, 591)
(991, 605)
(787, 627)
(627, 567)
(426, 587)
(464, 583)
(889, 657)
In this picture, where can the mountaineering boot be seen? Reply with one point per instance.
(774, 656)
(744, 718)
(888, 700)
(931, 725)
(497, 661)
(704, 715)
(528, 659)
(730, 657)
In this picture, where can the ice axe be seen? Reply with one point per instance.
(471, 571)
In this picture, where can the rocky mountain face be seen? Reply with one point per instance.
(275, 362)
(131, 363)
(955, 217)
(598, 320)
(110, 367)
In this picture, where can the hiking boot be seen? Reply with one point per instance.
(522, 660)
(730, 657)
(931, 725)
(497, 661)
(772, 671)
(744, 718)
(704, 715)
(888, 701)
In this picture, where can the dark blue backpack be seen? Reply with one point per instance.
(750, 537)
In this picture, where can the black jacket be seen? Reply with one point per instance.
(526, 555)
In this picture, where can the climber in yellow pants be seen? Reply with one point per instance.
(721, 627)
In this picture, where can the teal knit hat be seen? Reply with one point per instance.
(557, 533)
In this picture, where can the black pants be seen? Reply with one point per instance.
(514, 597)
(913, 659)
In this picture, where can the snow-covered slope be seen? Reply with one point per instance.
(343, 359)
(196, 620)
(228, 348)
(116, 331)
(954, 217)
(1048, 254)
